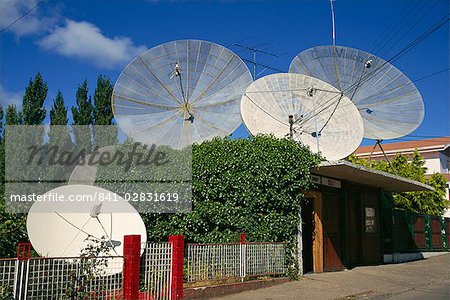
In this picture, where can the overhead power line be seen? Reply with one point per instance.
(22, 16)
(441, 22)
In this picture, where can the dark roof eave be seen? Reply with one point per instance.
(345, 170)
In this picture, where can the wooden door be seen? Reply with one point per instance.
(355, 226)
(332, 232)
(371, 227)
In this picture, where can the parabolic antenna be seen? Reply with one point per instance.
(390, 104)
(307, 109)
(60, 228)
(180, 92)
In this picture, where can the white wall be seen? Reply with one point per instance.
(433, 165)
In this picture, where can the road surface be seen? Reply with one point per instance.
(424, 279)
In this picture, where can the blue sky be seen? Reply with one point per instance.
(69, 41)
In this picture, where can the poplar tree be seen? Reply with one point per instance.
(13, 116)
(82, 112)
(104, 134)
(58, 112)
(103, 114)
(33, 101)
(2, 153)
(59, 136)
(82, 117)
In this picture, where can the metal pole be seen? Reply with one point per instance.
(254, 64)
(333, 34)
(291, 124)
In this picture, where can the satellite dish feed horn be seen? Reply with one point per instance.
(276, 100)
(198, 101)
(95, 211)
(388, 101)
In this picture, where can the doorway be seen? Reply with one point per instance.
(307, 235)
(332, 232)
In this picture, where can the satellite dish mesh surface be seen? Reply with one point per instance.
(390, 104)
(181, 92)
(322, 117)
(60, 228)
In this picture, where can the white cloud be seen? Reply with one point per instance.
(8, 98)
(32, 23)
(85, 41)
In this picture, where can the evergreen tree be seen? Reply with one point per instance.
(104, 135)
(59, 136)
(58, 113)
(12, 226)
(33, 101)
(82, 113)
(103, 114)
(82, 118)
(13, 116)
(2, 153)
(1, 123)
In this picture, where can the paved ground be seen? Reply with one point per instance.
(425, 279)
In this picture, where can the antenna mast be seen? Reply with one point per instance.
(254, 62)
(333, 33)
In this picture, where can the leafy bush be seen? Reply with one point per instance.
(251, 186)
(432, 203)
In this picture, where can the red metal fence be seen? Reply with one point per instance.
(156, 274)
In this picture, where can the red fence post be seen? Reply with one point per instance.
(243, 238)
(131, 266)
(23, 251)
(242, 257)
(177, 242)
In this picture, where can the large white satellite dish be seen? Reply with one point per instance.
(390, 104)
(180, 92)
(60, 228)
(311, 111)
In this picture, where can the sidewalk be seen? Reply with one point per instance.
(425, 279)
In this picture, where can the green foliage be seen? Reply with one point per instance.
(1, 122)
(2, 154)
(82, 116)
(12, 231)
(103, 114)
(432, 203)
(33, 101)
(6, 292)
(92, 264)
(58, 112)
(82, 113)
(251, 186)
(13, 116)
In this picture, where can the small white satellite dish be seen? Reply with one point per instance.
(307, 109)
(180, 92)
(390, 104)
(60, 228)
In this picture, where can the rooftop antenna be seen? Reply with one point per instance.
(254, 61)
(333, 33)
